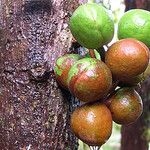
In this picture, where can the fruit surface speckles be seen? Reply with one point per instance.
(92, 80)
(62, 68)
(137, 79)
(126, 106)
(92, 123)
(91, 25)
(135, 24)
(127, 58)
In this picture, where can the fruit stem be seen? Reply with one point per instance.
(92, 53)
(101, 51)
(112, 90)
(95, 147)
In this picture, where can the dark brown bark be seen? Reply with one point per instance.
(134, 136)
(34, 111)
(141, 4)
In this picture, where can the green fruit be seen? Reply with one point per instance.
(135, 24)
(92, 26)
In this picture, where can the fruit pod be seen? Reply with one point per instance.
(89, 79)
(62, 67)
(92, 123)
(92, 26)
(126, 106)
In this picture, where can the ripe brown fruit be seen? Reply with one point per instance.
(137, 79)
(127, 58)
(126, 106)
(129, 82)
(89, 79)
(92, 123)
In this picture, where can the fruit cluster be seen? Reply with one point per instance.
(94, 81)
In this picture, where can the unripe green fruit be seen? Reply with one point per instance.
(89, 79)
(63, 64)
(92, 26)
(135, 24)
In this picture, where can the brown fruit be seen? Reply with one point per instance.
(137, 79)
(133, 81)
(63, 65)
(127, 58)
(146, 73)
(126, 106)
(89, 79)
(92, 123)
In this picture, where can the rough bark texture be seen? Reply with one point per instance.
(34, 111)
(135, 137)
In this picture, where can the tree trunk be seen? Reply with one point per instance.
(141, 4)
(34, 111)
(135, 136)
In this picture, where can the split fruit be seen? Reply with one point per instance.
(89, 79)
(92, 123)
